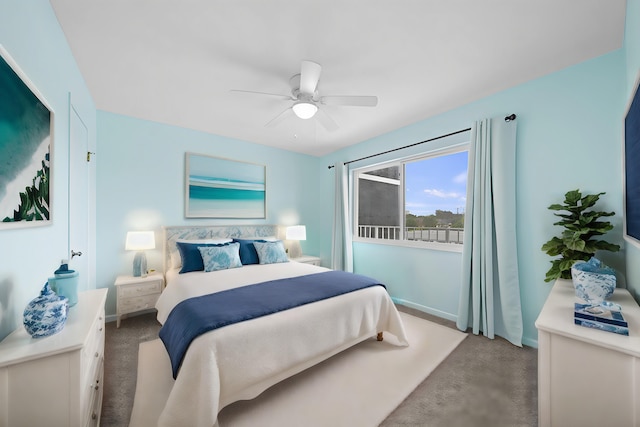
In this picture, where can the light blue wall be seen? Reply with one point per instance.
(30, 32)
(569, 133)
(141, 187)
(632, 51)
(569, 130)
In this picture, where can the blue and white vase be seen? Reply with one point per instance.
(46, 314)
(593, 281)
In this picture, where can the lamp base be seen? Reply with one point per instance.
(140, 265)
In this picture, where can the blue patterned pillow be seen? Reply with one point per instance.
(191, 257)
(220, 257)
(271, 252)
(248, 254)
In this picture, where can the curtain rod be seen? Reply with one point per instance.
(506, 119)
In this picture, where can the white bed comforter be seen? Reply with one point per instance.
(240, 361)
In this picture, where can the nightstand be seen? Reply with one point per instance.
(307, 259)
(137, 293)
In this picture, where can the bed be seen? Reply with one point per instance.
(241, 360)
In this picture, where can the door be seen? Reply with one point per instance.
(78, 198)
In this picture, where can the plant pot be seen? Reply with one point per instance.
(593, 281)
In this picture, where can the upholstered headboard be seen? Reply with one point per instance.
(191, 232)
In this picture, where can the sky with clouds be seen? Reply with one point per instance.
(436, 183)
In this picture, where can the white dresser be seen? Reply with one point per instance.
(587, 377)
(56, 380)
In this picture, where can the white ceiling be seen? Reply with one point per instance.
(175, 61)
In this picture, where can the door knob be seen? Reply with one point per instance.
(74, 253)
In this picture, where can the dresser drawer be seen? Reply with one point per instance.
(140, 289)
(92, 356)
(131, 305)
(95, 393)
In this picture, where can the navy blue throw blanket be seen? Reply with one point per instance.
(195, 316)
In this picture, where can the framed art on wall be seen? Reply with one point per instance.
(26, 124)
(631, 167)
(223, 188)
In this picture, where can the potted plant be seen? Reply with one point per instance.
(577, 242)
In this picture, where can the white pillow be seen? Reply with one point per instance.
(174, 255)
(266, 239)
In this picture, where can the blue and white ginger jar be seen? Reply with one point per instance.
(46, 314)
(593, 281)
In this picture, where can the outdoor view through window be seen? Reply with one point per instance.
(418, 199)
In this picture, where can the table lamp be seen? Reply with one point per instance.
(296, 232)
(140, 241)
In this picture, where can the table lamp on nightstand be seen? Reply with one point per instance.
(297, 233)
(140, 241)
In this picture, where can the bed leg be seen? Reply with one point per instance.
(379, 337)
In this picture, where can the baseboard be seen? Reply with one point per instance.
(525, 341)
(426, 309)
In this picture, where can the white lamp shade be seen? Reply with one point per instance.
(140, 240)
(304, 110)
(296, 232)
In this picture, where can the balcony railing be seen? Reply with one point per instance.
(424, 234)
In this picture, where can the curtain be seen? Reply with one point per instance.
(490, 291)
(342, 251)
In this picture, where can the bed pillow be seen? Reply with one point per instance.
(176, 260)
(222, 257)
(271, 252)
(190, 255)
(248, 254)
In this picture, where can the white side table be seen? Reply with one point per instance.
(307, 259)
(137, 293)
(587, 376)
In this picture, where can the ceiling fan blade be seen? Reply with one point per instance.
(279, 118)
(287, 97)
(309, 77)
(356, 101)
(326, 121)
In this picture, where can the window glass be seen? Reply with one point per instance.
(380, 197)
(419, 200)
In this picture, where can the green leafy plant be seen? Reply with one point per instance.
(581, 226)
(34, 201)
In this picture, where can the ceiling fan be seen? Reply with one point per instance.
(307, 102)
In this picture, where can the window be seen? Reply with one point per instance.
(415, 201)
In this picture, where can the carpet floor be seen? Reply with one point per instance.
(481, 383)
(358, 387)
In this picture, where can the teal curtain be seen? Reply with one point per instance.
(342, 249)
(490, 291)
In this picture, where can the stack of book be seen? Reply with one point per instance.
(598, 317)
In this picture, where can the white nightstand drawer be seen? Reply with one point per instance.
(307, 259)
(137, 290)
(131, 305)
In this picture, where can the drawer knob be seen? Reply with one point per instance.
(94, 416)
(97, 354)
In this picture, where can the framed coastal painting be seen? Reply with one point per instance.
(26, 123)
(223, 188)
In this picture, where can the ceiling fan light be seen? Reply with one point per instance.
(304, 110)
